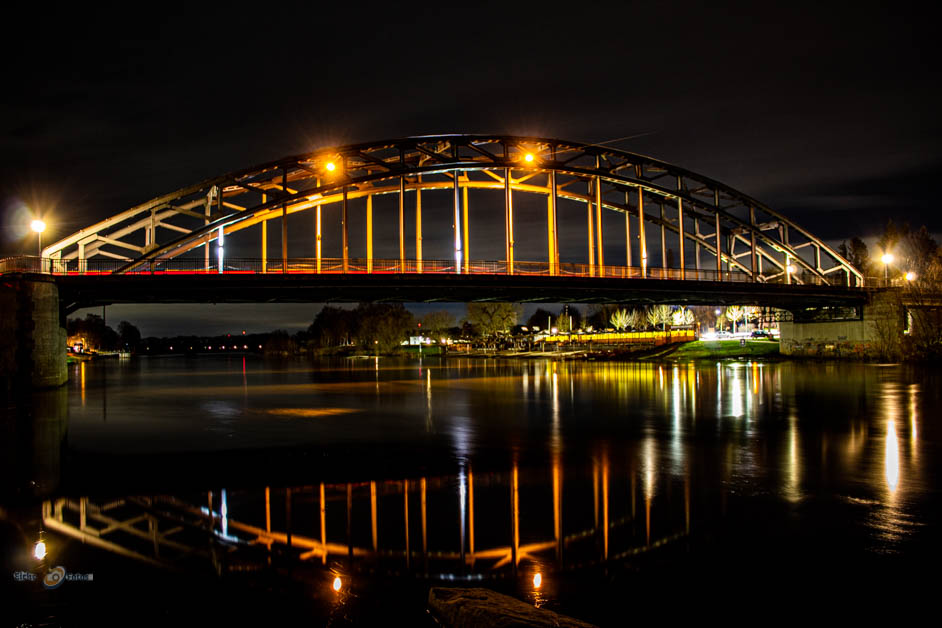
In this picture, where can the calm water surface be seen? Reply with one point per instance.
(601, 490)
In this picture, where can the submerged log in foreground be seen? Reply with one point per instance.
(464, 608)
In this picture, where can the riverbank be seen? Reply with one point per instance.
(679, 352)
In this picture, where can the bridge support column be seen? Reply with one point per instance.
(878, 333)
(32, 334)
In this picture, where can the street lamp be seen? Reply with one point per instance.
(38, 226)
(910, 276)
(887, 259)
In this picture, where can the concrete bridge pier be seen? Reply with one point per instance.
(876, 333)
(32, 333)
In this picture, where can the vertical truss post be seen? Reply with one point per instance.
(752, 249)
(369, 233)
(696, 232)
(82, 262)
(207, 210)
(663, 240)
(402, 222)
(627, 232)
(598, 217)
(284, 222)
(641, 235)
(456, 218)
(552, 222)
(317, 230)
(590, 228)
(467, 230)
(788, 275)
(418, 224)
(264, 240)
(680, 230)
(719, 242)
(344, 223)
(508, 220)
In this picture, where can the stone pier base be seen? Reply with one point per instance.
(32, 334)
(876, 334)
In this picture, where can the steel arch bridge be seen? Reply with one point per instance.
(720, 234)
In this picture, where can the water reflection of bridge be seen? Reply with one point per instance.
(463, 526)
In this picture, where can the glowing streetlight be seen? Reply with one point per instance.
(337, 585)
(331, 166)
(537, 580)
(528, 158)
(790, 268)
(38, 226)
(910, 276)
(887, 259)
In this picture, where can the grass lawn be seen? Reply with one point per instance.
(723, 349)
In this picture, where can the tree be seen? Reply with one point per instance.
(636, 318)
(492, 318)
(129, 337)
(382, 326)
(734, 313)
(681, 317)
(541, 318)
(331, 327)
(280, 343)
(93, 330)
(436, 324)
(857, 254)
(620, 319)
(569, 318)
(659, 315)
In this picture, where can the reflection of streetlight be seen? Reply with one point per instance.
(38, 226)
(39, 550)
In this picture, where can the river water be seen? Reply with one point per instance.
(607, 491)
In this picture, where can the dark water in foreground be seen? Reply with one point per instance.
(613, 492)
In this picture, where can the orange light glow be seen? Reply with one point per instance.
(331, 166)
(537, 580)
(528, 157)
(338, 584)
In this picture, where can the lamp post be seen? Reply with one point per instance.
(38, 226)
(887, 259)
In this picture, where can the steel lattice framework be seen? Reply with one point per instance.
(739, 237)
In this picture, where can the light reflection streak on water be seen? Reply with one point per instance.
(82, 371)
(677, 449)
(913, 420)
(791, 487)
(891, 456)
(736, 394)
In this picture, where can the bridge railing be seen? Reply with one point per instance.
(358, 266)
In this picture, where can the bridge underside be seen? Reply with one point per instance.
(87, 291)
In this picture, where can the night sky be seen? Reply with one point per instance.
(825, 113)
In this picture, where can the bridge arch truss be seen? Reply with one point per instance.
(719, 233)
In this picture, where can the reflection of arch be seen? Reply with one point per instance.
(741, 235)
